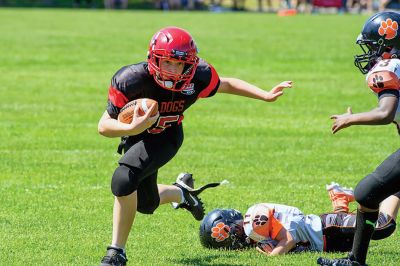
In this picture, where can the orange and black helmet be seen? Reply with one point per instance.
(380, 35)
(223, 229)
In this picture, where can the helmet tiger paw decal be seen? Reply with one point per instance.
(220, 232)
(388, 29)
(260, 220)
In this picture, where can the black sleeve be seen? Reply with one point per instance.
(112, 110)
(388, 93)
(209, 78)
(126, 85)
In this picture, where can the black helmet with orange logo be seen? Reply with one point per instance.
(223, 229)
(379, 38)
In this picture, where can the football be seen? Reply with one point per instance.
(266, 246)
(126, 113)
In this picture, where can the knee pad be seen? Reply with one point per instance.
(386, 226)
(123, 181)
(149, 205)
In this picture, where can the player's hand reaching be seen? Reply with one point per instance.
(341, 121)
(277, 91)
(141, 123)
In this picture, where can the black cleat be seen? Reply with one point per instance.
(185, 180)
(192, 202)
(338, 262)
(323, 261)
(114, 257)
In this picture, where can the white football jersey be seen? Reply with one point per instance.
(265, 220)
(385, 75)
(391, 65)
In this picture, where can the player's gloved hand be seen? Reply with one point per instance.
(277, 91)
(341, 121)
(141, 123)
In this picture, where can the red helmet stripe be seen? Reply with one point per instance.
(116, 97)
(212, 85)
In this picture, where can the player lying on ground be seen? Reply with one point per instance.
(277, 229)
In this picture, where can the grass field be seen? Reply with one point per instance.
(55, 170)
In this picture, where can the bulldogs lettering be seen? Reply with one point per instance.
(175, 106)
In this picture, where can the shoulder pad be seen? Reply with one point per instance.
(383, 80)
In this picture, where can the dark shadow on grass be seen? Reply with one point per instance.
(204, 260)
(4, 221)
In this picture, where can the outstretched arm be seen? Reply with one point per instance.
(243, 88)
(382, 115)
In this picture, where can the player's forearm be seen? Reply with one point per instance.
(373, 117)
(277, 251)
(242, 88)
(283, 247)
(111, 128)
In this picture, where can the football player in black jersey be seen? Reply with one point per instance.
(380, 42)
(176, 78)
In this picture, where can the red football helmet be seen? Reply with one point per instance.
(172, 43)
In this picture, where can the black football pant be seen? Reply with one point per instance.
(338, 230)
(380, 184)
(139, 165)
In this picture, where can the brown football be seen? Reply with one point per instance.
(126, 113)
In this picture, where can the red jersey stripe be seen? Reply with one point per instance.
(212, 85)
(181, 117)
(116, 97)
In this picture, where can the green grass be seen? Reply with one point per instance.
(55, 67)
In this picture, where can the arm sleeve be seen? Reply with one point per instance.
(116, 100)
(275, 227)
(211, 78)
(388, 93)
(383, 80)
(125, 85)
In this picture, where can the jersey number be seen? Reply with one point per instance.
(384, 63)
(163, 122)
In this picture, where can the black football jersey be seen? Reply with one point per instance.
(134, 82)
